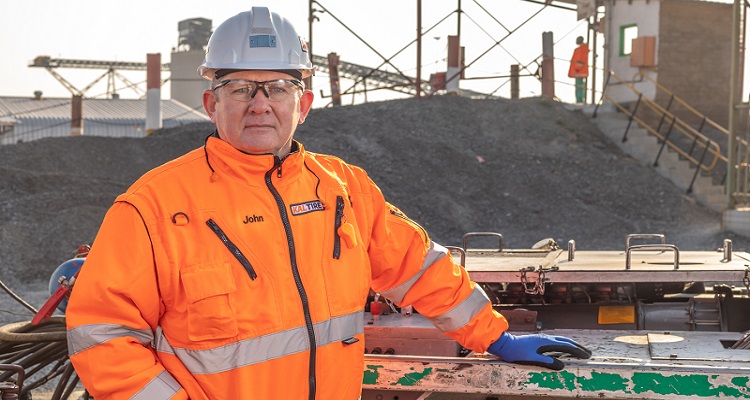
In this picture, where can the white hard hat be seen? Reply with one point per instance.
(256, 40)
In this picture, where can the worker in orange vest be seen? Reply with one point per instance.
(579, 68)
(241, 269)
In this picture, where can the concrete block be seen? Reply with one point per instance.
(737, 221)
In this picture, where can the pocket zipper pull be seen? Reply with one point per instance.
(346, 232)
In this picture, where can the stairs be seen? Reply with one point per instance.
(645, 148)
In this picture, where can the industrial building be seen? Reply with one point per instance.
(24, 119)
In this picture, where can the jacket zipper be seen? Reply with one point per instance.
(295, 272)
(232, 248)
(336, 226)
(405, 218)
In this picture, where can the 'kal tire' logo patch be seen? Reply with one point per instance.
(307, 207)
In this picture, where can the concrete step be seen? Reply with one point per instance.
(643, 146)
(715, 199)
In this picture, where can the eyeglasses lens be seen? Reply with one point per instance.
(245, 90)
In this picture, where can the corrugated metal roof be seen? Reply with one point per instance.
(33, 119)
(93, 109)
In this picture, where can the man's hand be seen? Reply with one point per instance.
(530, 349)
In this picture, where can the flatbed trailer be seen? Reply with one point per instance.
(661, 324)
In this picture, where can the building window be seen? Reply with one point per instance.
(627, 34)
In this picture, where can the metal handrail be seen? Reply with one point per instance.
(499, 236)
(659, 236)
(688, 131)
(743, 146)
(658, 135)
(685, 129)
(656, 247)
(685, 104)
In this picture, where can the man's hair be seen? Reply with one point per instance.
(579, 40)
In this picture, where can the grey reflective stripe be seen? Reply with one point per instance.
(85, 337)
(398, 293)
(339, 328)
(163, 386)
(263, 348)
(461, 314)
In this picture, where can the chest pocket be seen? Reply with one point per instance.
(210, 292)
(346, 266)
(227, 289)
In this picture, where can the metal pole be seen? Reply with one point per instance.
(587, 80)
(310, 19)
(76, 120)
(454, 65)
(514, 89)
(458, 27)
(734, 102)
(153, 92)
(418, 86)
(548, 67)
(594, 30)
(333, 74)
(742, 116)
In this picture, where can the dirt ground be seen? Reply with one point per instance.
(529, 169)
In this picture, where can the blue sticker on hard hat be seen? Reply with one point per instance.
(263, 41)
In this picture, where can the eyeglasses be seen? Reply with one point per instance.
(275, 90)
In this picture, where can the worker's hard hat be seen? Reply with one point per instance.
(256, 40)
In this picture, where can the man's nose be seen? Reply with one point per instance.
(259, 103)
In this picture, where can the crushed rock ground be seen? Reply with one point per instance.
(529, 169)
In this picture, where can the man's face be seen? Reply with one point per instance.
(260, 125)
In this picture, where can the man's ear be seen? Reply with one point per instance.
(209, 104)
(305, 103)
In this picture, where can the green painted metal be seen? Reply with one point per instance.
(639, 383)
(413, 378)
(578, 381)
(371, 374)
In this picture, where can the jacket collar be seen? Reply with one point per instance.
(225, 160)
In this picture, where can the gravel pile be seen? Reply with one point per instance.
(529, 169)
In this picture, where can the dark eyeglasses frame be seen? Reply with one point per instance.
(259, 85)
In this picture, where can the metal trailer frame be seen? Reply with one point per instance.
(625, 365)
(695, 363)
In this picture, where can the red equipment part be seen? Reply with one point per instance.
(65, 285)
(51, 304)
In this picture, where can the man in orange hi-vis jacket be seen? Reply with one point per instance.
(241, 269)
(579, 68)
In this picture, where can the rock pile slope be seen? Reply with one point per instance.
(529, 169)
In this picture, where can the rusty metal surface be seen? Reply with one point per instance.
(622, 368)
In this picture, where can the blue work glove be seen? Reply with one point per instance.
(530, 349)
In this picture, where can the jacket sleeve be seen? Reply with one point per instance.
(113, 311)
(409, 269)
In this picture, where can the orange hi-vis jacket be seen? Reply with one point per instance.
(224, 275)
(579, 63)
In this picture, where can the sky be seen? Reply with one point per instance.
(128, 30)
